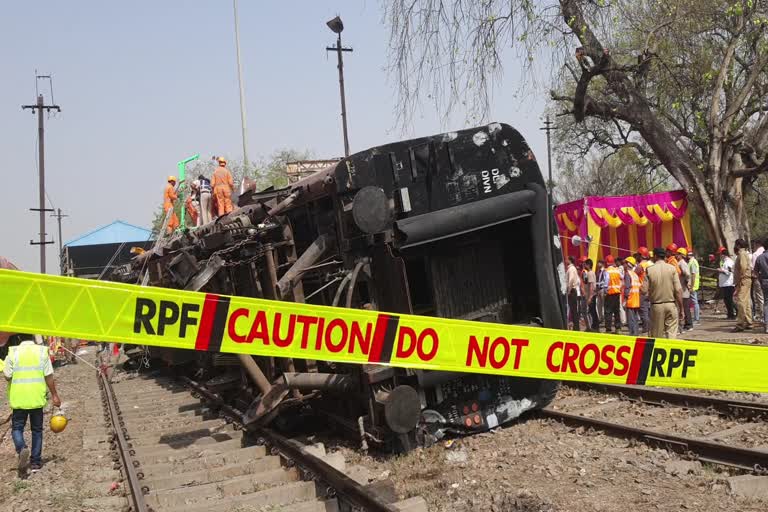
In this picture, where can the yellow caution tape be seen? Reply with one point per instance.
(103, 311)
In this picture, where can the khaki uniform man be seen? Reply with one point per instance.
(742, 279)
(665, 294)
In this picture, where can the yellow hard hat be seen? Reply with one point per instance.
(58, 423)
(172, 178)
(682, 251)
(222, 160)
(630, 260)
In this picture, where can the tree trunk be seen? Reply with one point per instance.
(730, 222)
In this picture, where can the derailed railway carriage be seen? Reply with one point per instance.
(454, 225)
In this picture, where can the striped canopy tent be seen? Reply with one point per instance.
(619, 225)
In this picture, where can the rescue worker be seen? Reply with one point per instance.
(29, 371)
(205, 200)
(590, 287)
(761, 269)
(687, 284)
(169, 198)
(693, 266)
(622, 310)
(672, 257)
(725, 282)
(573, 287)
(222, 187)
(192, 203)
(757, 289)
(742, 278)
(583, 292)
(645, 305)
(612, 296)
(632, 295)
(662, 285)
(601, 284)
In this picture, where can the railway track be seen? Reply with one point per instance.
(182, 451)
(715, 430)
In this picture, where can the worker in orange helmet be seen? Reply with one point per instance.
(222, 187)
(644, 261)
(169, 198)
(192, 203)
(672, 257)
(612, 295)
(632, 295)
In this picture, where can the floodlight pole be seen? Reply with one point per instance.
(550, 185)
(242, 90)
(339, 49)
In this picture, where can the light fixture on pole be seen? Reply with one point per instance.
(548, 127)
(337, 27)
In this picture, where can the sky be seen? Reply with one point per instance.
(144, 84)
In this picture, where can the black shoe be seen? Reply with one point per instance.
(737, 329)
(36, 467)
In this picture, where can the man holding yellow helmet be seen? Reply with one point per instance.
(29, 373)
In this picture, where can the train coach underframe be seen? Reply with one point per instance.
(454, 225)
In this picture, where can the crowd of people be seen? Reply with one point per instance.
(657, 294)
(208, 198)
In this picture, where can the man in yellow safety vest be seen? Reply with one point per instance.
(29, 372)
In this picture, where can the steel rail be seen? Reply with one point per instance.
(741, 408)
(341, 483)
(124, 449)
(743, 458)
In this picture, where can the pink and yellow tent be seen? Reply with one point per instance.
(619, 225)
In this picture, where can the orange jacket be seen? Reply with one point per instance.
(672, 260)
(169, 197)
(222, 179)
(614, 280)
(633, 295)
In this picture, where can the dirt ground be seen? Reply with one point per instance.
(69, 478)
(539, 465)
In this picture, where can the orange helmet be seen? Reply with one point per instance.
(643, 251)
(672, 247)
(172, 178)
(609, 259)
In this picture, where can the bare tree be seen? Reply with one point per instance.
(679, 81)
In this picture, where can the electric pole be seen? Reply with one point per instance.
(38, 108)
(59, 216)
(337, 26)
(550, 185)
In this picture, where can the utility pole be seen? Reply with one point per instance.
(550, 185)
(59, 216)
(337, 26)
(38, 108)
(242, 90)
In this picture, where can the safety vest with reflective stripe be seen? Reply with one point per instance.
(633, 297)
(27, 389)
(694, 266)
(614, 280)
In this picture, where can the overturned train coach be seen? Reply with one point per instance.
(454, 225)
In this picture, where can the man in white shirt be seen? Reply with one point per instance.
(573, 288)
(725, 282)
